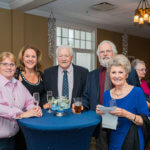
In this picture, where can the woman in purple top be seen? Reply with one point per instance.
(15, 102)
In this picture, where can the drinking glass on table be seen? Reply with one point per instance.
(36, 98)
(78, 105)
(49, 100)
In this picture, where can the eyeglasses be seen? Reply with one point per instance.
(142, 70)
(106, 51)
(8, 64)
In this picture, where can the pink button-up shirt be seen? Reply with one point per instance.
(14, 99)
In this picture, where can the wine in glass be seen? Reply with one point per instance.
(49, 100)
(36, 98)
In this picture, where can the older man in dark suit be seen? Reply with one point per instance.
(55, 77)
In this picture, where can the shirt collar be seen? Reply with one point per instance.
(69, 69)
(5, 81)
(103, 68)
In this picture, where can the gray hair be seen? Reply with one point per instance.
(66, 47)
(136, 62)
(110, 43)
(120, 60)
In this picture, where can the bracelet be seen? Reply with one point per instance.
(134, 118)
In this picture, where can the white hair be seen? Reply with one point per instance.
(119, 60)
(110, 43)
(66, 47)
(136, 62)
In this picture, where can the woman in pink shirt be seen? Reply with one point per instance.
(15, 102)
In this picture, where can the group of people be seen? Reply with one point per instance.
(114, 79)
(18, 83)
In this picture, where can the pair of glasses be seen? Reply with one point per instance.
(142, 70)
(8, 64)
(106, 51)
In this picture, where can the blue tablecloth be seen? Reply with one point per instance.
(70, 132)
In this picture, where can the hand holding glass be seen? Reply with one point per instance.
(49, 100)
(36, 98)
(78, 105)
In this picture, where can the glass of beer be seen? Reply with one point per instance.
(78, 105)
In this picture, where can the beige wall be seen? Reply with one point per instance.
(18, 29)
(5, 30)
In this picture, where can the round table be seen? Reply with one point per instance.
(70, 132)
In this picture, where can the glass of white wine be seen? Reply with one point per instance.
(49, 100)
(36, 98)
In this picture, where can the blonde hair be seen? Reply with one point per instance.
(4, 55)
(21, 54)
(120, 60)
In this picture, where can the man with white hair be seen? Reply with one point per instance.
(98, 81)
(74, 76)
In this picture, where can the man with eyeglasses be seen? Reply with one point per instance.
(98, 82)
(65, 79)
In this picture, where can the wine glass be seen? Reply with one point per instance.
(49, 100)
(112, 103)
(36, 98)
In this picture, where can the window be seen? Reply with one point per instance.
(82, 42)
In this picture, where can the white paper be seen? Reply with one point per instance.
(109, 121)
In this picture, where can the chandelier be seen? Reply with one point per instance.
(142, 13)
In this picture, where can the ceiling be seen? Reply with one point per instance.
(118, 18)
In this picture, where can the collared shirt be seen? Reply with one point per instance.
(14, 99)
(70, 80)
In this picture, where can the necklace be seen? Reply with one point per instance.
(119, 94)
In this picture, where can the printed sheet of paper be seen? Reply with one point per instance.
(109, 121)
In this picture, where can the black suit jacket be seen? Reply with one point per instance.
(50, 78)
(91, 94)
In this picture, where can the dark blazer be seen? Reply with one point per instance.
(133, 78)
(50, 78)
(131, 141)
(91, 94)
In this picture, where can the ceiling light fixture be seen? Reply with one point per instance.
(142, 13)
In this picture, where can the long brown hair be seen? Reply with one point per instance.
(21, 54)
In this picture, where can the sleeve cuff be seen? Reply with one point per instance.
(15, 112)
